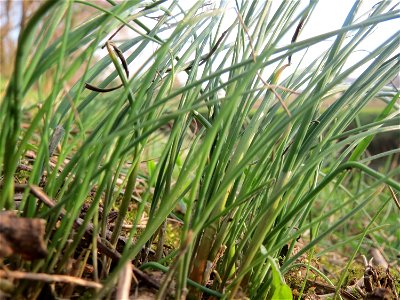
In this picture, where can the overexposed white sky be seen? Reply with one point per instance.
(329, 15)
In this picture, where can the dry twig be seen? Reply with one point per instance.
(268, 86)
(394, 197)
(102, 247)
(49, 278)
(124, 283)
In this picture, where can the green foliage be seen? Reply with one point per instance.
(242, 145)
(280, 290)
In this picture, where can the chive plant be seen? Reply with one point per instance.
(265, 148)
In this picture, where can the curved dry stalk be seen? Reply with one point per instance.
(50, 278)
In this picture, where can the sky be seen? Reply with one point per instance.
(329, 15)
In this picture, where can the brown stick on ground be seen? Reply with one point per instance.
(379, 260)
(331, 289)
(49, 278)
(102, 247)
